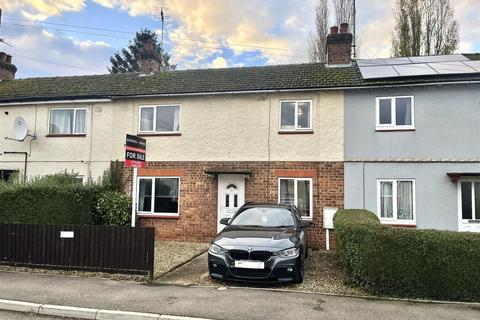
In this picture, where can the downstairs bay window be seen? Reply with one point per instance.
(396, 201)
(158, 196)
(297, 191)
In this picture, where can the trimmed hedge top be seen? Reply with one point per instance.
(408, 262)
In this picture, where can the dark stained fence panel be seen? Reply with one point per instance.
(92, 248)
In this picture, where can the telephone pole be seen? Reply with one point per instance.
(1, 39)
(354, 44)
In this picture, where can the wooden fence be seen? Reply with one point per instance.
(88, 248)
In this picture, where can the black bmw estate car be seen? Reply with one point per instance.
(261, 242)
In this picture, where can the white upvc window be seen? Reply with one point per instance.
(297, 191)
(67, 121)
(395, 113)
(158, 196)
(296, 115)
(159, 119)
(396, 201)
(469, 204)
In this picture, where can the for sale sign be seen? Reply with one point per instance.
(135, 151)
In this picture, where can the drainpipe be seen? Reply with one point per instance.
(26, 159)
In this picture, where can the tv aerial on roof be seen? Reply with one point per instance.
(20, 130)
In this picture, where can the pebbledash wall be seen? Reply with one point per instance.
(230, 131)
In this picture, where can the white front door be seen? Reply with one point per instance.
(231, 196)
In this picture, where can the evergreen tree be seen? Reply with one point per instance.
(128, 60)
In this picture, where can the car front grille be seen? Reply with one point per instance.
(254, 255)
(260, 255)
(238, 254)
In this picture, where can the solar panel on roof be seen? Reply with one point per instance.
(417, 66)
(414, 69)
(378, 72)
(443, 58)
(451, 67)
(473, 64)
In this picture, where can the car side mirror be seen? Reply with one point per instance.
(304, 224)
(224, 221)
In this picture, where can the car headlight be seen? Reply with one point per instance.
(216, 249)
(289, 253)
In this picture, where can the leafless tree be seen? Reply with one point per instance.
(343, 11)
(318, 40)
(424, 27)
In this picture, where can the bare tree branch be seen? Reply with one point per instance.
(318, 40)
(424, 27)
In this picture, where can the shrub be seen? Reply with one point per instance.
(46, 203)
(407, 262)
(113, 208)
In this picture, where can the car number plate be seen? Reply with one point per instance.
(250, 264)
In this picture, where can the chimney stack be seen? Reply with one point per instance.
(7, 69)
(339, 46)
(149, 58)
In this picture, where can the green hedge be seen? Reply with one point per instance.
(113, 208)
(407, 262)
(47, 204)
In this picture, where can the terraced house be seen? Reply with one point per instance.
(218, 138)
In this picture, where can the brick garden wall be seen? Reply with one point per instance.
(197, 220)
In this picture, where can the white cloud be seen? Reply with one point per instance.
(219, 62)
(42, 9)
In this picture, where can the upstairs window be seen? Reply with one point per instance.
(395, 113)
(159, 119)
(396, 201)
(296, 115)
(67, 121)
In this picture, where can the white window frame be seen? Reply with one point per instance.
(151, 213)
(394, 220)
(154, 106)
(310, 128)
(295, 195)
(467, 224)
(393, 105)
(74, 121)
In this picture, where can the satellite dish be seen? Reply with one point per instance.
(20, 128)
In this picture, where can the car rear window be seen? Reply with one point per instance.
(264, 217)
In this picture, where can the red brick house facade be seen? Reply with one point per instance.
(198, 201)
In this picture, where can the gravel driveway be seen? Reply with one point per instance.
(171, 254)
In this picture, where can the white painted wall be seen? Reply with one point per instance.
(213, 128)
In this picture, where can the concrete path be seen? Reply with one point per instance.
(216, 304)
(189, 273)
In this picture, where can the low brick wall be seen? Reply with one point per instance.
(197, 220)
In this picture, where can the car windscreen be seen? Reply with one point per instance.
(264, 217)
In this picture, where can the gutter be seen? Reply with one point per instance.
(54, 102)
(213, 93)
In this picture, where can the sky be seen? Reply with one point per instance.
(76, 37)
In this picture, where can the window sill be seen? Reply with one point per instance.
(399, 224)
(296, 132)
(394, 129)
(158, 134)
(50, 135)
(156, 216)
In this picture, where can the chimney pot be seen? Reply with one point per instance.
(3, 56)
(9, 58)
(344, 28)
(334, 30)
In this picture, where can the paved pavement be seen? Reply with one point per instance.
(211, 303)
